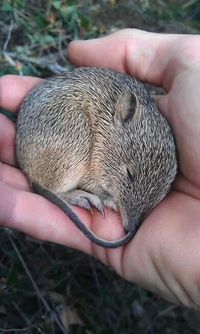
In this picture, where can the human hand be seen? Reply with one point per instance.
(164, 255)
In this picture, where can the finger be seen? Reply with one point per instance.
(13, 177)
(151, 57)
(7, 140)
(136, 52)
(34, 215)
(13, 90)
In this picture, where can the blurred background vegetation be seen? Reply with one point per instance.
(47, 288)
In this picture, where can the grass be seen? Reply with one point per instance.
(46, 288)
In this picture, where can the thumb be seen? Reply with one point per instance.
(142, 54)
(150, 57)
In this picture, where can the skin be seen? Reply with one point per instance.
(63, 205)
(164, 255)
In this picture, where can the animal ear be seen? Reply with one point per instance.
(126, 107)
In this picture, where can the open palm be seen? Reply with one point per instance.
(164, 256)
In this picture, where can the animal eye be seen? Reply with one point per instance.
(130, 176)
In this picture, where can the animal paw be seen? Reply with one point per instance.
(84, 200)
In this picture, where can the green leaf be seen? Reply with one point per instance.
(68, 10)
(57, 4)
(6, 7)
(48, 39)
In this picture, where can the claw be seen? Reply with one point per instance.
(100, 208)
(97, 204)
(85, 200)
(86, 204)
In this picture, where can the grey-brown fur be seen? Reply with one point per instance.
(97, 131)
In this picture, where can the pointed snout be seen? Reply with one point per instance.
(130, 222)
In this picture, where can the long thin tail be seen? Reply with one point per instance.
(55, 199)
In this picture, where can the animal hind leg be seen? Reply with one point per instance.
(83, 199)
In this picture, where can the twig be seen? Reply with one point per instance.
(49, 62)
(46, 305)
(18, 309)
(60, 50)
(159, 315)
(13, 63)
(5, 27)
(188, 4)
(9, 59)
(8, 36)
(4, 330)
(48, 9)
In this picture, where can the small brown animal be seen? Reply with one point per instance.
(93, 138)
